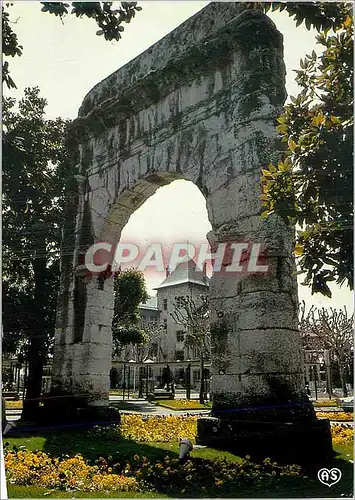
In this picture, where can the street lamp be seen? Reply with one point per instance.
(129, 376)
(188, 376)
(147, 361)
(327, 367)
(124, 380)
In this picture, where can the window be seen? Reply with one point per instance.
(179, 355)
(180, 336)
(196, 376)
(165, 304)
(153, 351)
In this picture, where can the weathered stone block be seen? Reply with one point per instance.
(285, 443)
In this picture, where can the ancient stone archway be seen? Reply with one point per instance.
(198, 105)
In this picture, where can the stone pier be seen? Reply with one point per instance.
(199, 105)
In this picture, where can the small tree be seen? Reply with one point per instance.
(333, 330)
(130, 291)
(150, 342)
(195, 317)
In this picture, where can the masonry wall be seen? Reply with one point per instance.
(199, 105)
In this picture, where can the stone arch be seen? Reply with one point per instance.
(199, 105)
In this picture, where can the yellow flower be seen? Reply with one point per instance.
(336, 415)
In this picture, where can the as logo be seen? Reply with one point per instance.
(329, 477)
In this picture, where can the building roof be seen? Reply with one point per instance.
(151, 304)
(185, 272)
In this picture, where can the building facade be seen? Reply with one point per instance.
(167, 344)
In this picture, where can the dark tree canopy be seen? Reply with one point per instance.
(35, 168)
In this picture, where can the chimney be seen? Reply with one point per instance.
(204, 267)
(167, 271)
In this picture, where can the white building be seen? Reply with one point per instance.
(168, 347)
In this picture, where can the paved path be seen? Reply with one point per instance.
(137, 406)
(142, 406)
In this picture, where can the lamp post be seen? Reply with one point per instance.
(188, 376)
(129, 376)
(327, 367)
(147, 361)
(124, 380)
(315, 380)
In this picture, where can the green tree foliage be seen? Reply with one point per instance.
(35, 166)
(10, 47)
(106, 17)
(313, 184)
(318, 15)
(130, 291)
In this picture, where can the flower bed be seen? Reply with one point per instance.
(168, 429)
(13, 405)
(342, 435)
(184, 404)
(327, 403)
(211, 476)
(37, 468)
(139, 474)
(164, 429)
(337, 416)
(196, 477)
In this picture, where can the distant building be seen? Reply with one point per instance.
(169, 347)
(184, 281)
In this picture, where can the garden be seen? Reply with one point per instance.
(184, 404)
(139, 458)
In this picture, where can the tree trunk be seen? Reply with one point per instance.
(202, 385)
(34, 381)
(342, 377)
(37, 347)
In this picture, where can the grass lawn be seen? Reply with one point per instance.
(15, 491)
(183, 404)
(72, 442)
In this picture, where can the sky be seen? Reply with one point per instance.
(66, 59)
